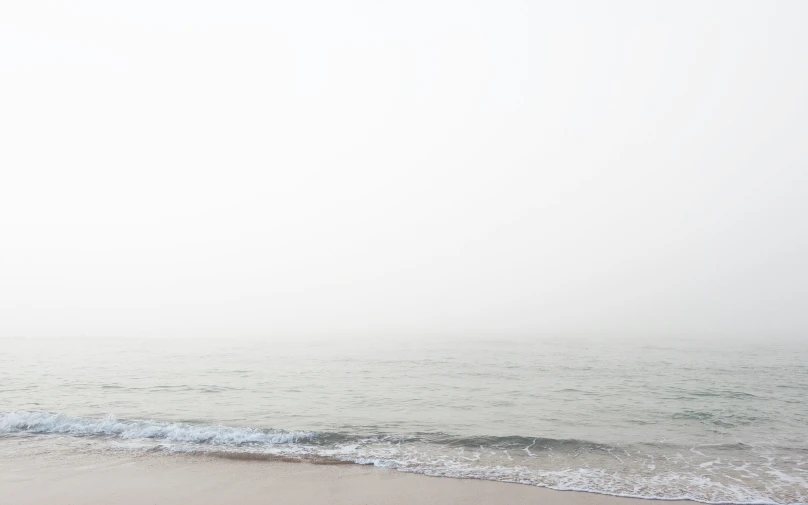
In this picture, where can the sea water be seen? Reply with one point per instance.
(717, 421)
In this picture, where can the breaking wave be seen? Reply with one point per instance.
(718, 473)
(44, 423)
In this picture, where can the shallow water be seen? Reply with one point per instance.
(714, 422)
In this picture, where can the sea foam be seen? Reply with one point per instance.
(551, 463)
(19, 422)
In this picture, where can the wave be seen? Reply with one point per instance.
(44, 423)
(62, 424)
(710, 473)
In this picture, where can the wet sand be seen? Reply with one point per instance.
(39, 474)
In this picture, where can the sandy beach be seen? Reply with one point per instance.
(32, 473)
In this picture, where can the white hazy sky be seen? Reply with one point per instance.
(187, 167)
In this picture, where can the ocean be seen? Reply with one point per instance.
(706, 420)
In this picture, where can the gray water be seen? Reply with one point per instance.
(713, 422)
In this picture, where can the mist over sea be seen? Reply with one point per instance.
(673, 419)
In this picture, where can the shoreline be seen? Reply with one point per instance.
(36, 473)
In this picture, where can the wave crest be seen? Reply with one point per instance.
(20, 422)
(710, 473)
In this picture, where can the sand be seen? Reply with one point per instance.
(32, 473)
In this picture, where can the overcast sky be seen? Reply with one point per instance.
(186, 167)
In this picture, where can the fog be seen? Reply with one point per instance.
(267, 169)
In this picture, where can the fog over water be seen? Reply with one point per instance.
(556, 243)
(269, 169)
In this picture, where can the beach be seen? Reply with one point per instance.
(33, 472)
(330, 252)
(450, 419)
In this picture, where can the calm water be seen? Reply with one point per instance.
(710, 422)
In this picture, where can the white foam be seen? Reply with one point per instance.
(61, 424)
(682, 484)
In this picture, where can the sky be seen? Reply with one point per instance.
(252, 168)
